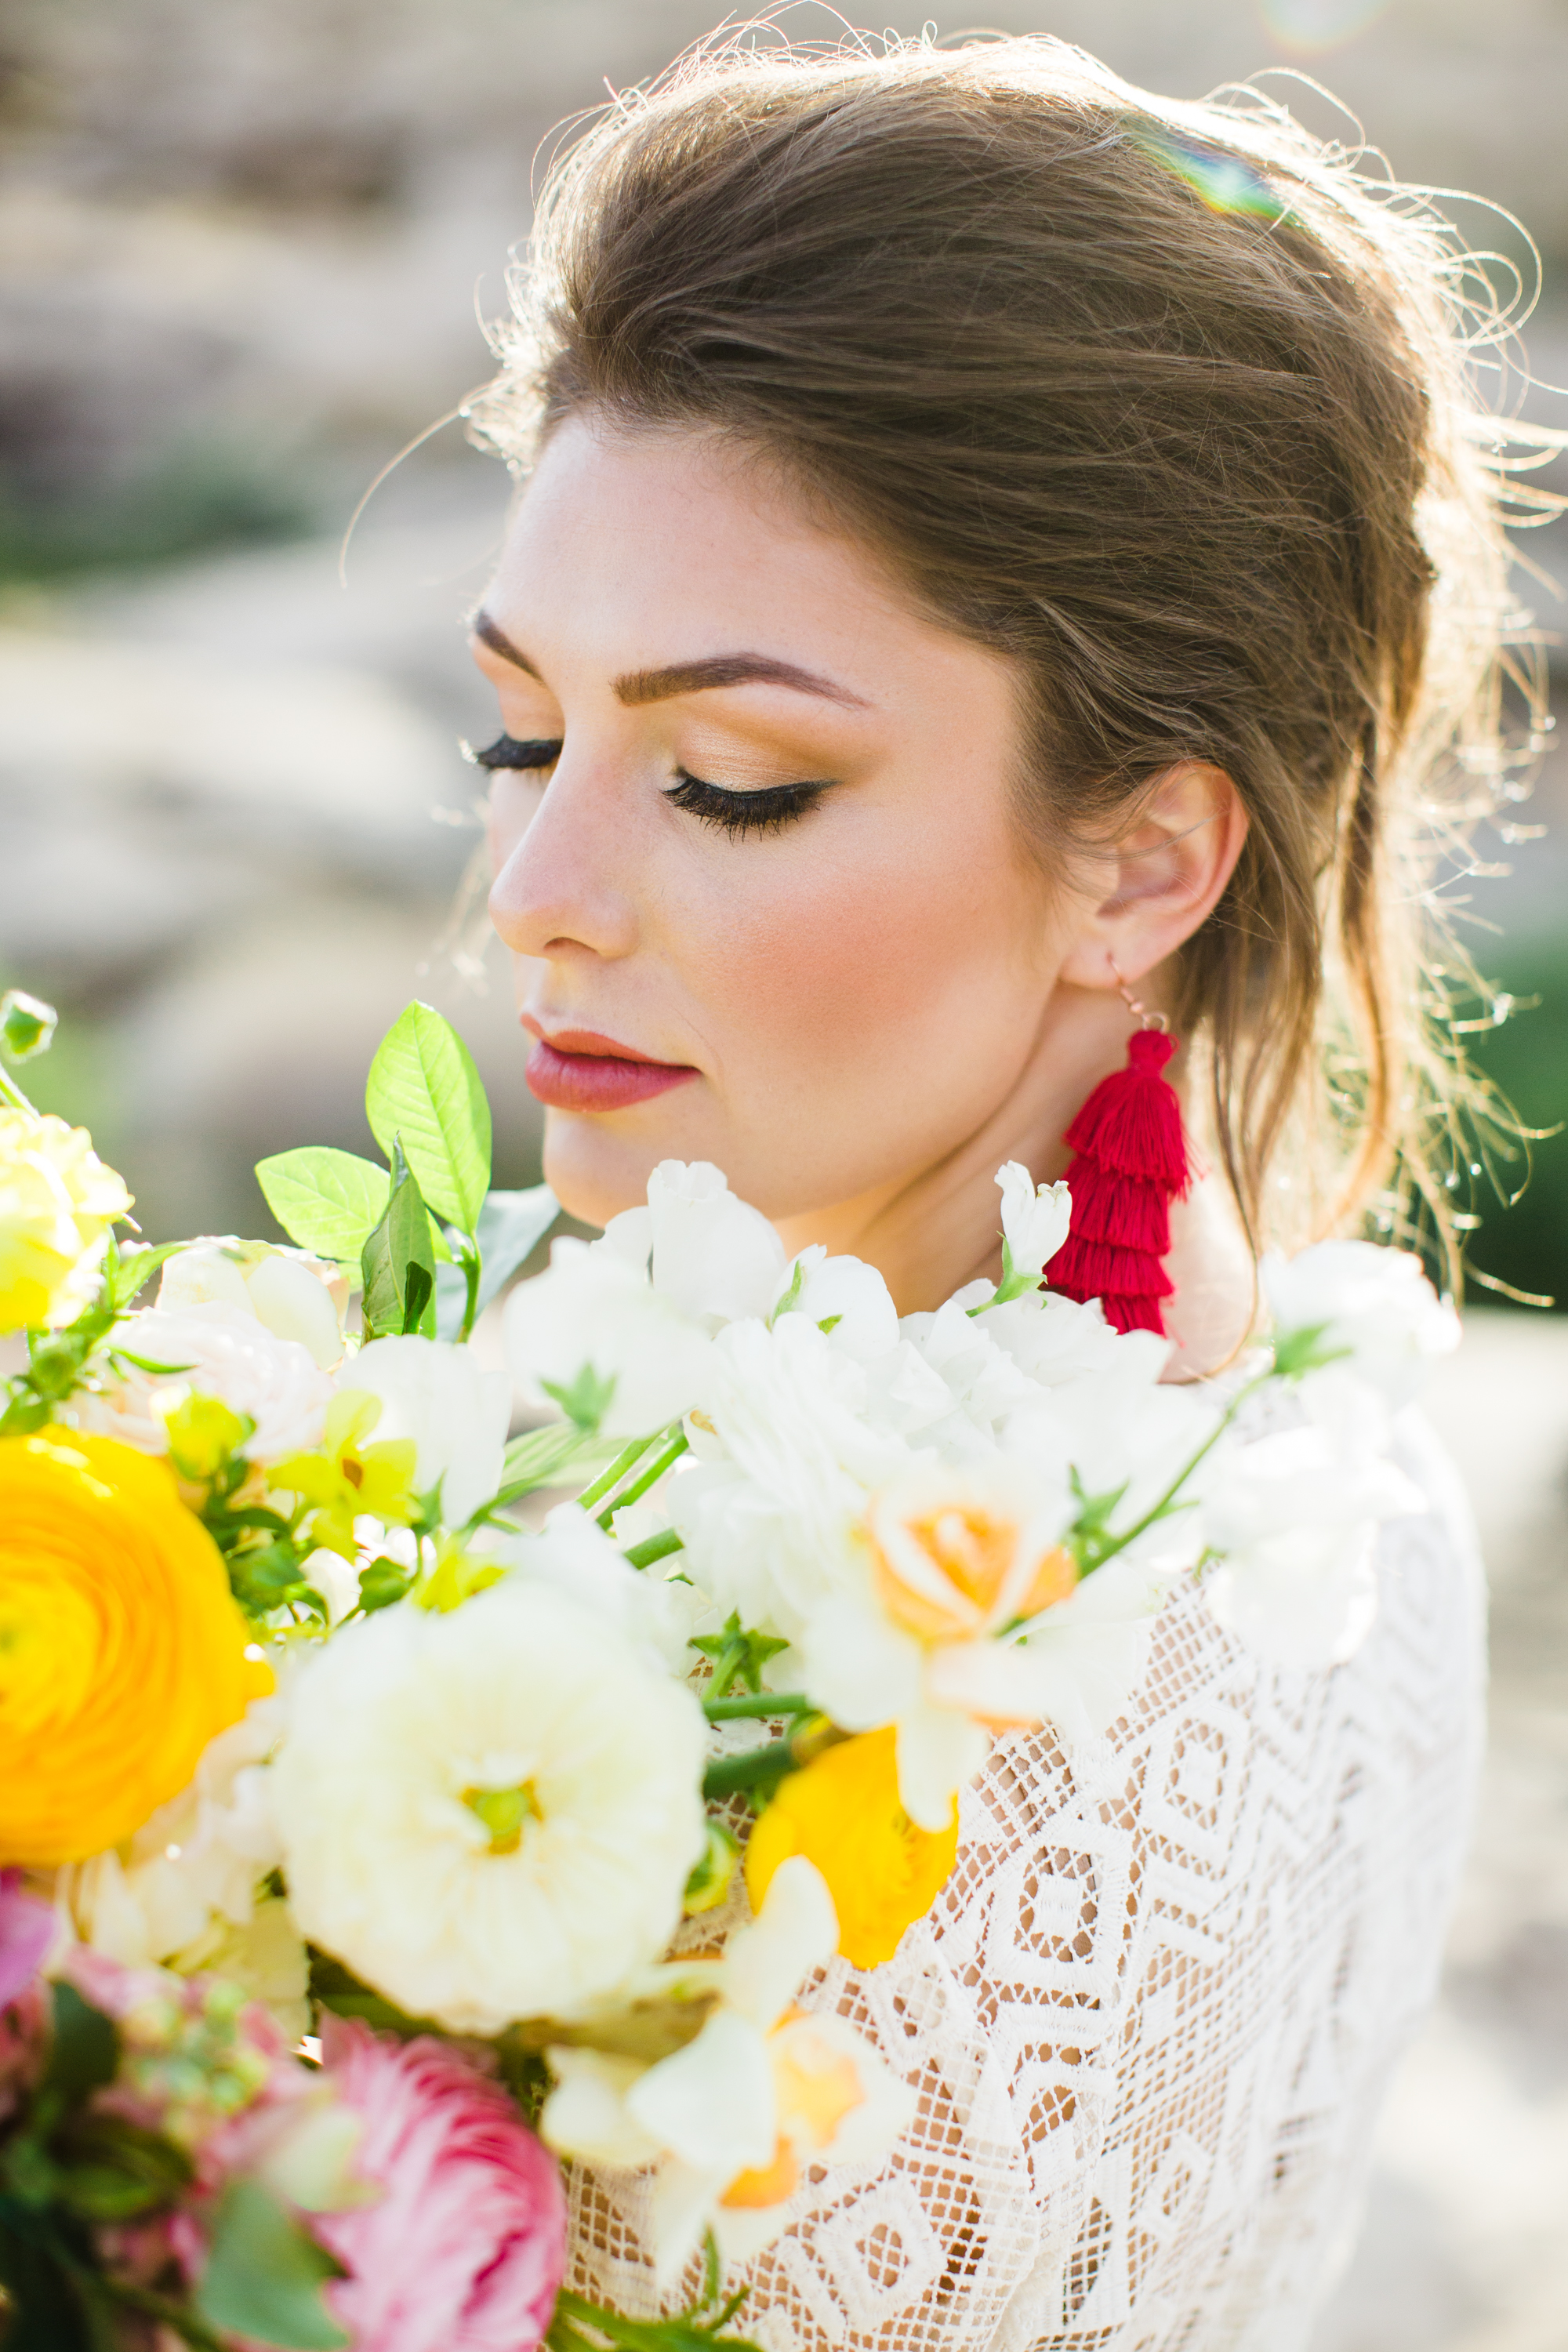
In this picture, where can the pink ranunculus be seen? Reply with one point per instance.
(27, 1931)
(465, 2249)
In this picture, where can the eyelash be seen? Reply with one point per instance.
(768, 810)
(507, 752)
(738, 814)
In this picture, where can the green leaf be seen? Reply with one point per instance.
(41, 2302)
(84, 2049)
(424, 1090)
(265, 2275)
(398, 1263)
(1303, 1351)
(329, 1201)
(130, 1270)
(550, 1456)
(586, 1399)
(510, 1226)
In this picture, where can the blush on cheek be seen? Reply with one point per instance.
(866, 962)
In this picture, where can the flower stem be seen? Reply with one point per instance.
(469, 1260)
(753, 1768)
(727, 1711)
(657, 1547)
(615, 1473)
(649, 1478)
(679, 2333)
(1158, 1510)
(11, 1093)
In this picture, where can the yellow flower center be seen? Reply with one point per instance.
(973, 1553)
(815, 2086)
(505, 1813)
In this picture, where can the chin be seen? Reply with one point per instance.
(594, 1171)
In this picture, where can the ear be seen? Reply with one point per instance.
(1166, 876)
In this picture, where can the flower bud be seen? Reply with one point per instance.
(709, 1882)
(27, 1024)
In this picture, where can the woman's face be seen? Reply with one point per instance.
(756, 851)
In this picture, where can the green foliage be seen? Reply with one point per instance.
(70, 2165)
(425, 1093)
(734, 1652)
(510, 1226)
(202, 492)
(327, 1201)
(1520, 1197)
(57, 1360)
(698, 2329)
(585, 1401)
(265, 2274)
(26, 1026)
(398, 1261)
(84, 2049)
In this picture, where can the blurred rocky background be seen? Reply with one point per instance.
(244, 248)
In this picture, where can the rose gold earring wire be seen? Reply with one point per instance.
(1140, 1011)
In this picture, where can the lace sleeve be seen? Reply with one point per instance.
(1152, 2013)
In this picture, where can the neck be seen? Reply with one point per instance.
(940, 1227)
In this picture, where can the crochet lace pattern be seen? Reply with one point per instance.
(1154, 2011)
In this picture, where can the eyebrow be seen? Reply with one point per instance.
(640, 685)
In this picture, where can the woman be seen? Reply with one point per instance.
(999, 549)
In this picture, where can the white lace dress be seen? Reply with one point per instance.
(1154, 2011)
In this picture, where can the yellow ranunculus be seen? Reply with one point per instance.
(842, 1812)
(122, 1649)
(58, 1201)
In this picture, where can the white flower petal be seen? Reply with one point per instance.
(796, 1931)
(1303, 1600)
(391, 1871)
(714, 1257)
(938, 1750)
(859, 1669)
(593, 1310)
(711, 2105)
(456, 1412)
(586, 2115)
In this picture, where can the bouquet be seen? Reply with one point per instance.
(394, 1808)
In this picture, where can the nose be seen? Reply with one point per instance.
(560, 889)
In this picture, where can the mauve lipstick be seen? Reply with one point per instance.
(578, 1069)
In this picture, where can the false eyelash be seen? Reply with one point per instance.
(507, 752)
(738, 814)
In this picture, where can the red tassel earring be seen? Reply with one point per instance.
(1132, 1161)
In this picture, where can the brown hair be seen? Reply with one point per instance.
(1166, 403)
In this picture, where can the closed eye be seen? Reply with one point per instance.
(507, 752)
(767, 810)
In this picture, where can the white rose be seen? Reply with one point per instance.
(846, 1294)
(296, 1295)
(1371, 1302)
(1035, 1219)
(593, 1311)
(456, 1412)
(220, 1351)
(1295, 1516)
(489, 1814)
(714, 1257)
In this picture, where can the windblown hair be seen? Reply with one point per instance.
(1166, 403)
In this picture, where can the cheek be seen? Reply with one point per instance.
(880, 950)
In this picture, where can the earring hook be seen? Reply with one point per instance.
(1145, 1019)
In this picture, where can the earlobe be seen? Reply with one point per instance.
(1171, 869)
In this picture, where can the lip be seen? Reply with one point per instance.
(582, 1070)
